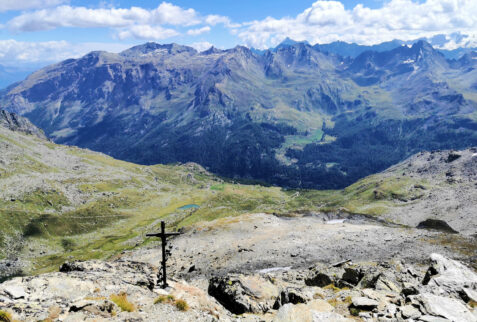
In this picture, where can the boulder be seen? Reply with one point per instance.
(445, 307)
(241, 294)
(352, 275)
(410, 312)
(449, 276)
(364, 303)
(292, 295)
(322, 276)
(13, 290)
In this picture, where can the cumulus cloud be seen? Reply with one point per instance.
(14, 52)
(198, 31)
(327, 21)
(6, 5)
(68, 16)
(201, 46)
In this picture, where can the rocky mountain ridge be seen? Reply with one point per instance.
(294, 116)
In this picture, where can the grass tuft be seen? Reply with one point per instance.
(182, 305)
(121, 300)
(5, 316)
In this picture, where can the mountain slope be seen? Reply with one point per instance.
(294, 116)
(58, 202)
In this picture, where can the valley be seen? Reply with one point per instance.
(295, 116)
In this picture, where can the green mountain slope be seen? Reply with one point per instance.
(59, 202)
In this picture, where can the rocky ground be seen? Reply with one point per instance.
(264, 268)
(448, 192)
(257, 242)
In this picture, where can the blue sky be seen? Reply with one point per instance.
(42, 31)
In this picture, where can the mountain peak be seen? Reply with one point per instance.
(211, 50)
(152, 47)
(424, 45)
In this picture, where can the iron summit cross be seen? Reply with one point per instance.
(163, 235)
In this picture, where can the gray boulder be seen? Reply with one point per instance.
(445, 307)
(241, 294)
(447, 276)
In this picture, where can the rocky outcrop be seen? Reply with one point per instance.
(241, 294)
(17, 123)
(402, 292)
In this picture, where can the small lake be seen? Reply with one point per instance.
(190, 206)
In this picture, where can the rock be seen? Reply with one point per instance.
(102, 308)
(468, 295)
(436, 224)
(370, 278)
(452, 157)
(430, 318)
(352, 275)
(448, 308)
(409, 289)
(293, 296)
(314, 311)
(318, 279)
(410, 312)
(449, 276)
(329, 317)
(134, 273)
(241, 294)
(364, 303)
(14, 291)
(322, 276)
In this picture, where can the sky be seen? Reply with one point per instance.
(46, 31)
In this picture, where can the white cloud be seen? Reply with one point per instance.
(198, 31)
(147, 32)
(201, 46)
(6, 5)
(327, 21)
(14, 52)
(217, 19)
(68, 16)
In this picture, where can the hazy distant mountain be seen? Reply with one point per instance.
(296, 115)
(10, 75)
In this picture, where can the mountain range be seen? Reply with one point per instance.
(295, 116)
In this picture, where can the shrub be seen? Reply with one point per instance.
(5, 316)
(121, 300)
(182, 305)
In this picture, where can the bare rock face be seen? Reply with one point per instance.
(240, 294)
(17, 123)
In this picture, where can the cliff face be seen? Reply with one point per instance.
(17, 123)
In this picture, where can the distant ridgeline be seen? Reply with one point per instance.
(296, 115)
